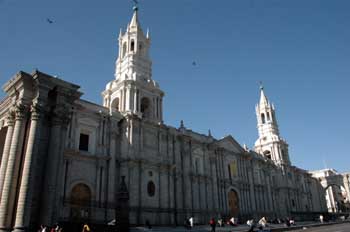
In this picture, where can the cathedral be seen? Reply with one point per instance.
(63, 158)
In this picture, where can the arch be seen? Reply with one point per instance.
(124, 49)
(80, 200)
(146, 107)
(233, 202)
(263, 118)
(132, 45)
(115, 104)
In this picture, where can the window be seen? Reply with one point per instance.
(84, 142)
(151, 188)
(268, 117)
(263, 118)
(132, 47)
(229, 172)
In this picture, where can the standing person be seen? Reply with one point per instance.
(220, 222)
(212, 224)
(191, 222)
(321, 218)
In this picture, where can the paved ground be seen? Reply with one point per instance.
(332, 228)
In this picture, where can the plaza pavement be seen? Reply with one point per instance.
(206, 228)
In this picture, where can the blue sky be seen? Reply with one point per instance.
(299, 49)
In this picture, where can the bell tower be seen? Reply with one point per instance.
(134, 91)
(269, 143)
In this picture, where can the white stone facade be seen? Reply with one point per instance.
(62, 157)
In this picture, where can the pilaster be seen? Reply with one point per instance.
(6, 151)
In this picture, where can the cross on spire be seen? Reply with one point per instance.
(135, 7)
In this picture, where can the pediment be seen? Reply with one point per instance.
(229, 143)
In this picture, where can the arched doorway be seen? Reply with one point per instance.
(80, 199)
(233, 203)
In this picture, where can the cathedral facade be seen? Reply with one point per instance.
(62, 158)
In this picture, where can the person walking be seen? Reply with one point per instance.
(212, 224)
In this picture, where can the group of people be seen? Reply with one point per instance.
(58, 228)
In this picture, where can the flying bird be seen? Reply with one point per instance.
(49, 20)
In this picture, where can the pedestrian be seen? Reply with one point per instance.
(251, 225)
(191, 222)
(86, 228)
(321, 218)
(43, 228)
(263, 222)
(220, 222)
(232, 221)
(212, 224)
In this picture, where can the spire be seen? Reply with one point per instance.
(134, 23)
(147, 34)
(263, 98)
(120, 33)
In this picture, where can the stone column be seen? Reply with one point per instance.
(6, 151)
(10, 182)
(23, 213)
(53, 165)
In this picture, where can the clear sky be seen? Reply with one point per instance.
(299, 49)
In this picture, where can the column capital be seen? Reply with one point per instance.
(36, 110)
(20, 111)
(10, 118)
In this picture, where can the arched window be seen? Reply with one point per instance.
(263, 118)
(268, 116)
(124, 49)
(115, 104)
(132, 45)
(146, 107)
(267, 154)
